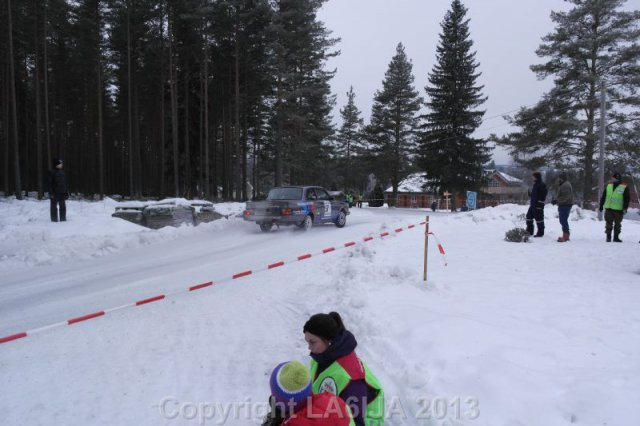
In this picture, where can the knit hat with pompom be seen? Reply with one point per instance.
(290, 384)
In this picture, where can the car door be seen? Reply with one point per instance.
(325, 205)
(311, 204)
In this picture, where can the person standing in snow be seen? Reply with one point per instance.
(293, 403)
(615, 202)
(58, 192)
(335, 368)
(538, 194)
(564, 200)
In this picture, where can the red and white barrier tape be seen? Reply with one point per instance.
(440, 249)
(209, 284)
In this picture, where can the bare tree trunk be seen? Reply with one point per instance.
(162, 112)
(14, 112)
(38, 117)
(129, 100)
(100, 130)
(278, 136)
(45, 58)
(138, 182)
(174, 112)
(200, 184)
(225, 155)
(187, 148)
(6, 131)
(207, 189)
(26, 124)
(237, 151)
(256, 140)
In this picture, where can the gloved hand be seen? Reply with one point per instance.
(66, 195)
(600, 209)
(554, 201)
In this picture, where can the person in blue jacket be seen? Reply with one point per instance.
(538, 195)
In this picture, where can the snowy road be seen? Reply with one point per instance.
(48, 294)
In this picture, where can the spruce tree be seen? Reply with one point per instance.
(394, 121)
(594, 43)
(349, 138)
(452, 159)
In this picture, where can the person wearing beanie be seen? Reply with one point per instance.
(336, 368)
(564, 200)
(538, 195)
(293, 403)
(615, 202)
(58, 192)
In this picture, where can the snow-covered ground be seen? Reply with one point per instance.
(537, 333)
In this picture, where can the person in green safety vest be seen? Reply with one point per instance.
(293, 403)
(336, 368)
(615, 202)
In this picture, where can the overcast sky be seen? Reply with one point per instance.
(506, 34)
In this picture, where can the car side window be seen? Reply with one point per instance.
(322, 194)
(311, 194)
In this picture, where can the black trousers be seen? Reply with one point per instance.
(536, 214)
(58, 200)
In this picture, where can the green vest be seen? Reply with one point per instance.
(615, 198)
(335, 378)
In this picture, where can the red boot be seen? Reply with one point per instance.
(564, 237)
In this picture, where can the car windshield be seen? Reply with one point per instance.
(285, 194)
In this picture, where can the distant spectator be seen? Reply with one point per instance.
(58, 192)
(349, 199)
(434, 205)
(615, 202)
(564, 200)
(538, 194)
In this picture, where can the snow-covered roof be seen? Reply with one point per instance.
(508, 178)
(412, 183)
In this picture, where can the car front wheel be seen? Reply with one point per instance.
(341, 220)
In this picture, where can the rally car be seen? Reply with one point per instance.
(302, 206)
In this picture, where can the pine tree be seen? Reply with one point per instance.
(593, 43)
(303, 99)
(394, 122)
(349, 138)
(452, 158)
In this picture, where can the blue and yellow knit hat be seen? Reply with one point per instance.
(290, 383)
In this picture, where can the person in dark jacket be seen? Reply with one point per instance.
(293, 404)
(615, 202)
(538, 195)
(336, 368)
(58, 192)
(564, 200)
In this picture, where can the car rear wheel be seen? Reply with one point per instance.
(341, 220)
(266, 227)
(306, 223)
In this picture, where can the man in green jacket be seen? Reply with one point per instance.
(615, 202)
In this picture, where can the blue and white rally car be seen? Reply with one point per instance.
(303, 206)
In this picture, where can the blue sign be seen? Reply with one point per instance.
(471, 200)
